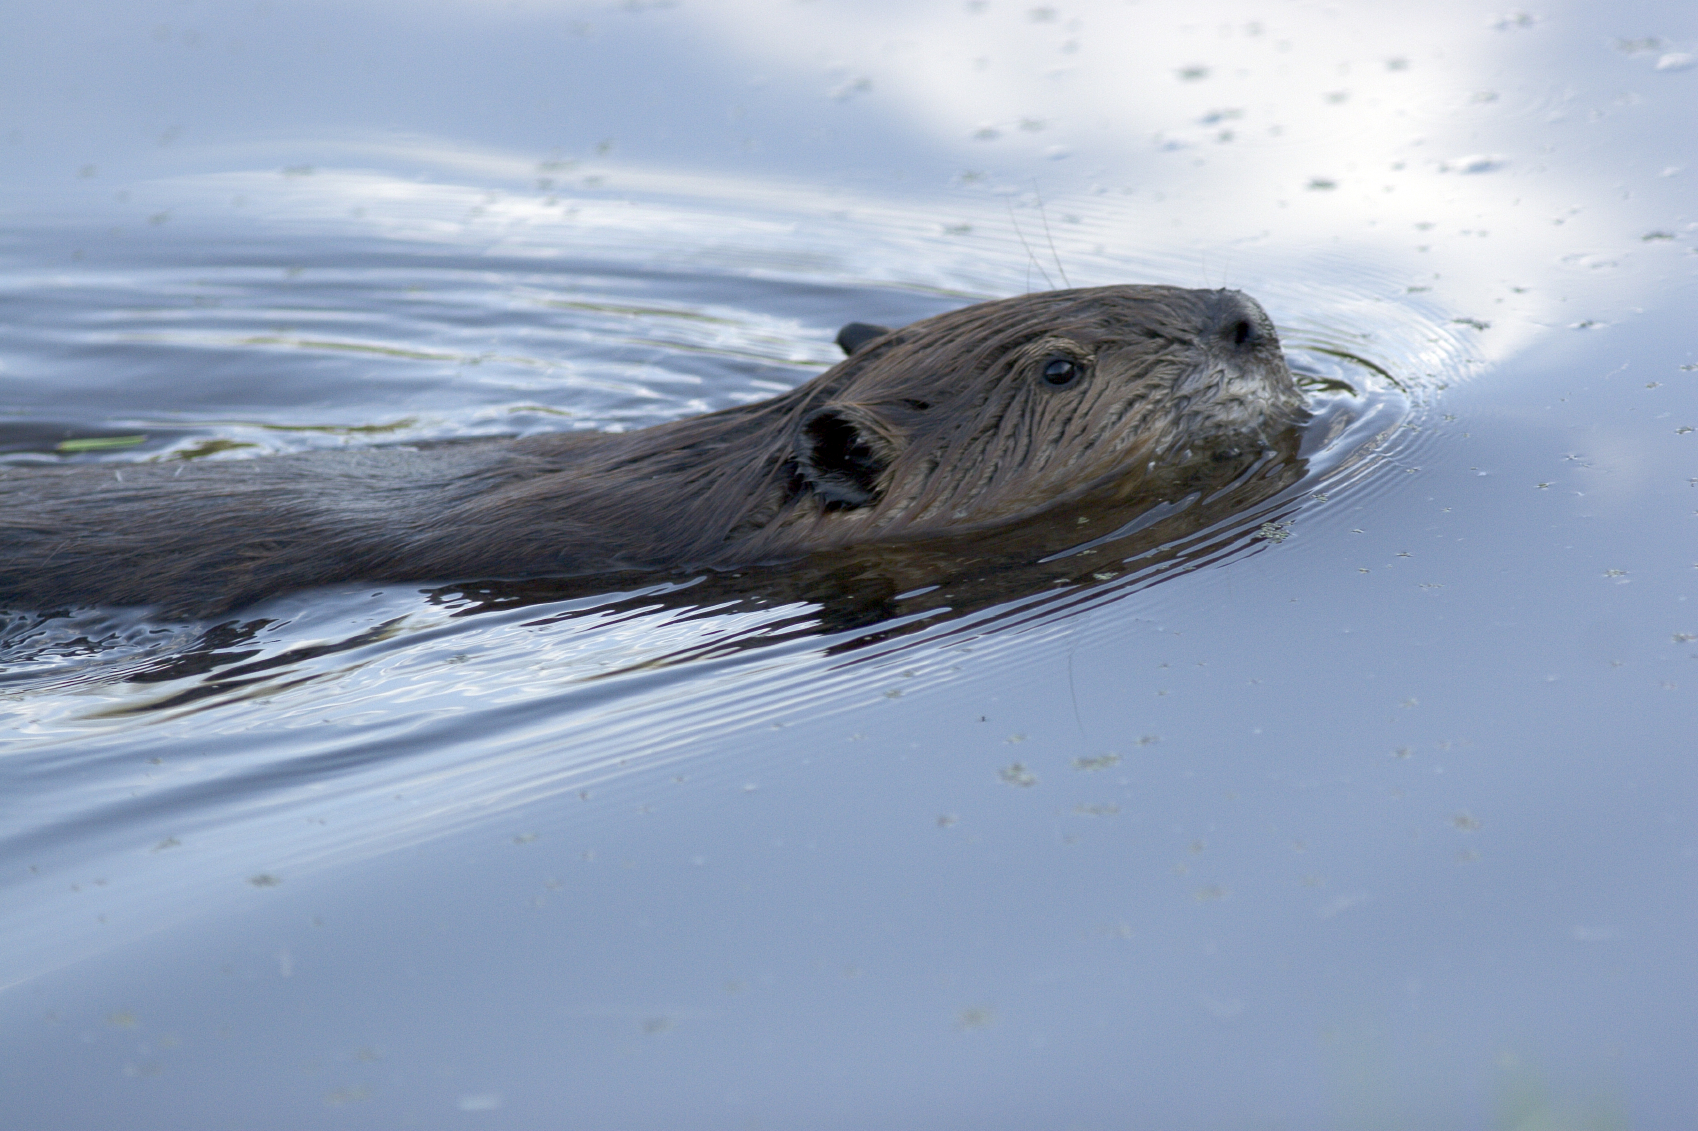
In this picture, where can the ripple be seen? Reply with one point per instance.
(386, 715)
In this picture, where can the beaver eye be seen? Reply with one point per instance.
(1062, 371)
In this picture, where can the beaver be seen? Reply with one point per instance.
(971, 420)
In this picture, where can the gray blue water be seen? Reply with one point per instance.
(1371, 806)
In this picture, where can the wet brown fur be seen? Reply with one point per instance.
(944, 426)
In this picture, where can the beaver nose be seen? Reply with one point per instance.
(1238, 321)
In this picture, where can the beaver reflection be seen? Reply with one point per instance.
(970, 451)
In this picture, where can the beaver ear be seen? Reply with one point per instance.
(841, 453)
(857, 334)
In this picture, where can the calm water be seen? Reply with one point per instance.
(1369, 805)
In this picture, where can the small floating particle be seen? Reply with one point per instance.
(98, 443)
(844, 91)
(1474, 163)
(265, 880)
(1595, 934)
(1017, 774)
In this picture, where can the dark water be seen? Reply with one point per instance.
(1366, 803)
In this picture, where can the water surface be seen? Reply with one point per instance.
(1368, 804)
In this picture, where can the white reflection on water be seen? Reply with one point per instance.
(1242, 137)
(782, 231)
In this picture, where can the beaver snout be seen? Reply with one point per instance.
(1238, 321)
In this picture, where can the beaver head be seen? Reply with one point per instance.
(982, 415)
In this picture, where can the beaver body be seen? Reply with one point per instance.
(974, 419)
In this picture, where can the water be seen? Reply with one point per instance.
(1382, 820)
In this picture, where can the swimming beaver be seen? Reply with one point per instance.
(974, 419)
